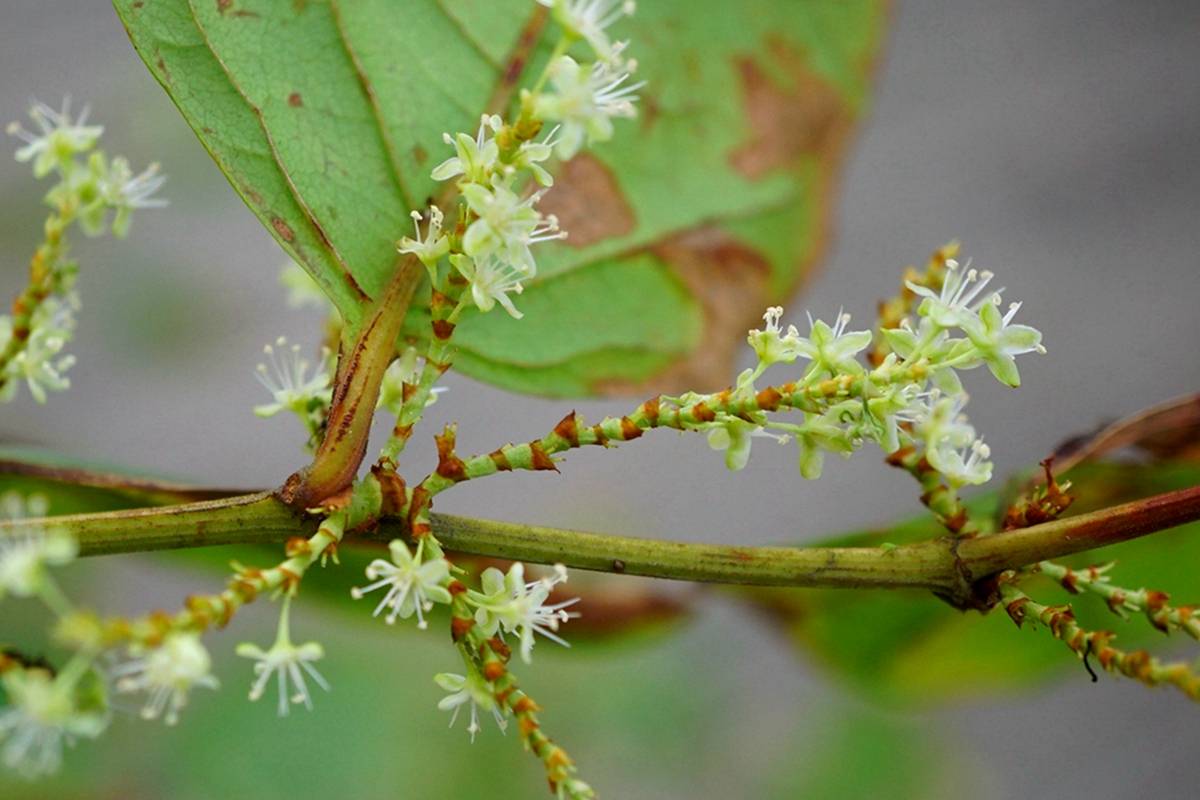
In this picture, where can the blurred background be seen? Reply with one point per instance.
(1060, 142)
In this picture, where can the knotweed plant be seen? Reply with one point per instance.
(822, 385)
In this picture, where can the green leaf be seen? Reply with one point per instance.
(327, 118)
(864, 754)
(909, 647)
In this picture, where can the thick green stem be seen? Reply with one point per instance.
(941, 565)
(356, 390)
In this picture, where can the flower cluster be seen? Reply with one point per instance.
(167, 674)
(494, 168)
(286, 375)
(40, 364)
(508, 604)
(471, 690)
(504, 604)
(414, 582)
(46, 712)
(89, 187)
(494, 253)
(585, 97)
(914, 397)
(287, 663)
(95, 191)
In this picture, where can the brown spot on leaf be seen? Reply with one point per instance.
(283, 229)
(419, 154)
(649, 112)
(295, 100)
(588, 202)
(223, 5)
(808, 117)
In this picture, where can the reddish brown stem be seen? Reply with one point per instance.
(361, 366)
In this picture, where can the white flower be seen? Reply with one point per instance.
(59, 138)
(27, 552)
(968, 464)
(772, 345)
(507, 225)
(288, 381)
(433, 245)
(734, 437)
(530, 154)
(127, 192)
(951, 445)
(491, 281)
(44, 713)
(584, 100)
(833, 349)
(287, 663)
(167, 674)
(884, 407)
(997, 342)
(39, 364)
(509, 603)
(472, 689)
(475, 158)
(957, 299)
(588, 19)
(938, 421)
(413, 586)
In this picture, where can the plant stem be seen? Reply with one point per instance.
(355, 392)
(942, 565)
(988, 555)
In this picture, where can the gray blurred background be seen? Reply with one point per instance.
(1059, 141)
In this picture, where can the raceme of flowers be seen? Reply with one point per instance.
(92, 190)
(913, 398)
(495, 168)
